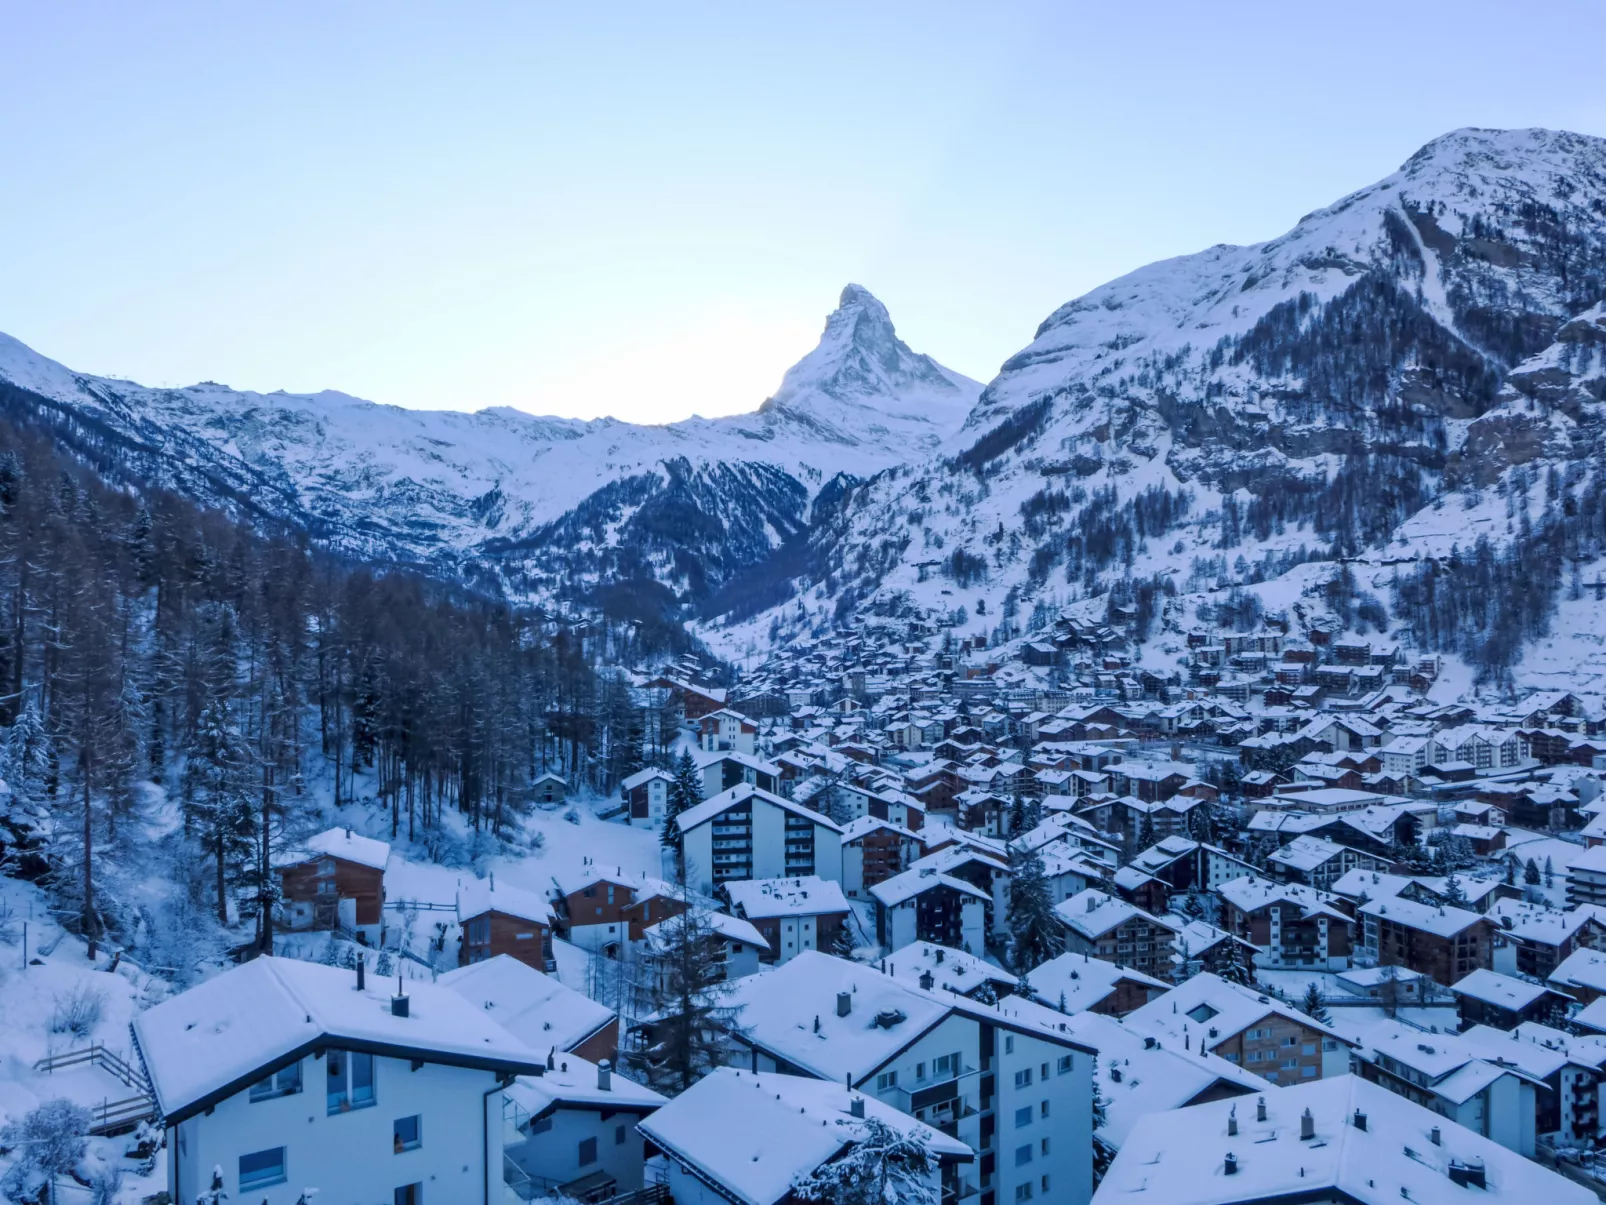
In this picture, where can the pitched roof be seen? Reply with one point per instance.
(340, 843)
(222, 1035)
(742, 792)
(535, 1008)
(805, 895)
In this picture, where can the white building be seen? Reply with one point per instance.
(924, 904)
(571, 1131)
(748, 833)
(805, 913)
(1341, 1141)
(1007, 1079)
(745, 1137)
(286, 1075)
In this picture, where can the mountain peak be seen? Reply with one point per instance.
(858, 295)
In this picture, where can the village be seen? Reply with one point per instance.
(1064, 925)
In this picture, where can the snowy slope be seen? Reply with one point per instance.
(443, 486)
(1211, 419)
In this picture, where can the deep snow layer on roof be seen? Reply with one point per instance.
(219, 1035)
(535, 1008)
(1178, 1158)
(754, 1133)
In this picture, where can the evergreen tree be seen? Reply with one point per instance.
(27, 756)
(1103, 1152)
(1531, 874)
(1035, 932)
(1550, 872)
(217, 795)
(1232, 965)
(1312, 1005)
(685, 793)
(689, 997)
(1453, 893)
(1146, 833)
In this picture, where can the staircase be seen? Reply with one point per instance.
(109, 1116)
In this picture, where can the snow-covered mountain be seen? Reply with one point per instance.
(546, 505)
(1212, 420)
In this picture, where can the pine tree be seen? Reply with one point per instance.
(685, 793)
(217, 794)
(1103, 1153)
(1530, 873)
(1146, 833)
(1232, 966)
(1034, 930)
(1312, 1005)
(1550, 872)
(688, 993)
(1453, 894)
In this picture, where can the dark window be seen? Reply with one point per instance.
(409, 1194)
(350, 1079)
(286, 1082)
(409, 1134)
(262, 1168)
(619, 1135)
(588, 1151)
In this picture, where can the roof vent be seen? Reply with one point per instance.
(844, 1003)
(1469, 1174)
(400, 1005)
(1115, 1075)
(604, 1076)
(361, 985)
(1307, 1126)
(940, 953)
(1260, 1109)
(1229, 1165)
(926, 980)
(856, 1106)
(1232, 1122)
(1360, 1120)
(1435, 1137)
(888, 1017)
(1148, 1043)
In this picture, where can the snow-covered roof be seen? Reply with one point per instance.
(1075, 983)
(1503, 991)
(1250, 893)
(1538, 1050)
(642, 777)
(857, 830)
(754, 1133)
(1177, 1158)
(740, 793)
(535, 1008)
(731, 928)
(806, 895)
(1139, 1075)
(1306, 852)
(1093, 913)
(917, 879)
(1582, 968)
(224, 1034)
(572, 1082)
(951, 970)
(1207, 1002)
(339, 843)
(476, 897)
(1441, 921)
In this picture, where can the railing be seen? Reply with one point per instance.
(109, 1116)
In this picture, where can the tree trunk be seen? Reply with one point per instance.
(88, 920)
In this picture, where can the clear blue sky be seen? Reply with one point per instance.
(648, 210)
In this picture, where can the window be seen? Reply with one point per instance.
(1023, 1155)
(1329, 1044)
(588, 1151)
(1044, 1109)
(619, 1135)
(887, 1079)
(1009, 1043)
(1023, 1079)
(262, 1168)
(1043, 1146)
(946, 1066)
(409, 1194)
(1045, 1183)
(920, 1071)
(1065, 1063)
(1308, 1072)
(1023, 1192)
(1023, 1117)
(350, 1080)
(1309, 1048)
(408, 1134)
(1043, 1071)
(286, 1082)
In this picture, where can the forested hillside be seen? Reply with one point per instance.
(186, 695)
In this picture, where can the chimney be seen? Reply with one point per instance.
(856, 1108)
(1360, 1120)
(1232, 1122)
(1470, 1174)
(362, 984)
(1260, 1109)
(1435, 1137)
(551, 1059)
(1229, 1165)
(844, 1003)
(604, 1076)
(399, 1005)
(1307, 1126)
(926, 980)
(940, 953)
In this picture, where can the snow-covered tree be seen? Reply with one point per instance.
(1232, 965)
(48, 1141)
(26, 768)
(1530, 873)
(688, 996)
(685, 793)
(1035, 933)
(218, 794)
(1313, 1006)
(883, 1166)
(213, 1194)
(1453, 893)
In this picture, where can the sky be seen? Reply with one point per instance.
(648, 210)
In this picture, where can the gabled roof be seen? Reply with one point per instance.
(339, 843)
(916, 881)
(220, 1036)
(743, 792)
(479, 896)
(1075, 983)
(805, 895)
(535, 1008)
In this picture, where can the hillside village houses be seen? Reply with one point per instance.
(1276, 878)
